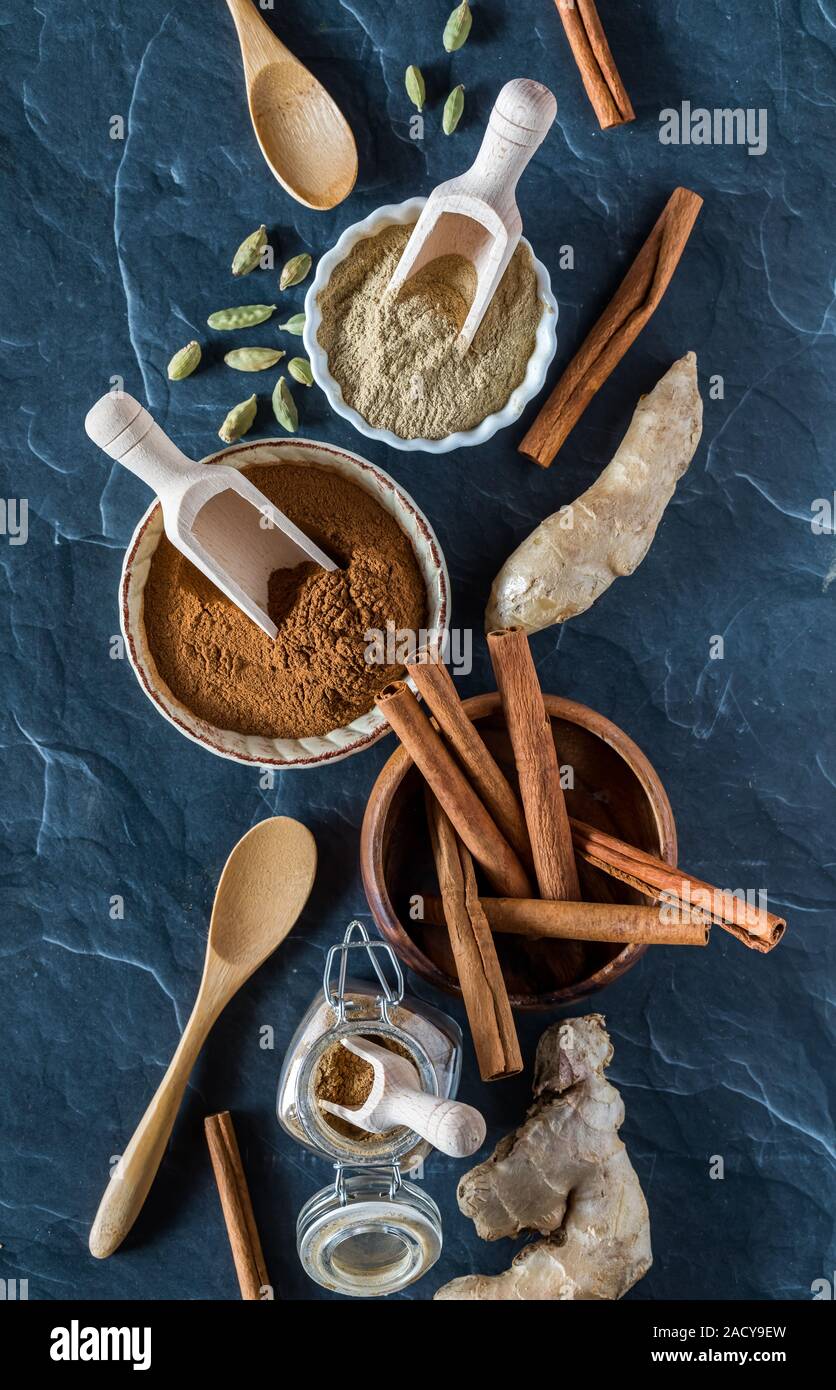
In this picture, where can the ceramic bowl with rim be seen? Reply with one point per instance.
(615, 789)
(538, 364)
(249, 748)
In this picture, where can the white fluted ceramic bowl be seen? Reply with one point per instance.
(538, 363)
(247, 748)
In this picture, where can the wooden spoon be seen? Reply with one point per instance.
(263, 888)
(303, 135)
(475, 215)
(212, 513)
(396, 1098)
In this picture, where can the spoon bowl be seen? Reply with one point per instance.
(263, 887)
(303, 135)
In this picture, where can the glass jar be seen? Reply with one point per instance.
(372, 1232)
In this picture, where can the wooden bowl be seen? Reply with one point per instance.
(615, 789)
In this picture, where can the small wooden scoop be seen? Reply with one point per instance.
(476, 215)
(303, 135)
(396, 1098)
(263, 888)
(211, 512)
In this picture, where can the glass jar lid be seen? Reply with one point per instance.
(370, 1234)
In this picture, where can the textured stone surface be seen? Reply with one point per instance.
(114, 253)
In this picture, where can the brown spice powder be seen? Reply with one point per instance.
(314, 677)
(346, 1079)
(343, 1078)
(395, 356)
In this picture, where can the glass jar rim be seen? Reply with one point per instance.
(313, 1121)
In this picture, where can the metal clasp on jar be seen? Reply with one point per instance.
(357, 938)
(392, 1171)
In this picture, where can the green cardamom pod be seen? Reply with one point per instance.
(184, 362)
(457, 27)
(295, 271)
(248, 255)
(294, 325)
(453, 108)
(300, 370)
(415, 87)
(238, 421)
(253, 359)
(242, 316)
(284, 406)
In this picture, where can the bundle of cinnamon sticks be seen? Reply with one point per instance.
(596, 65)
(527, 848)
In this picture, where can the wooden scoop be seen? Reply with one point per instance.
(396, 1098)
(211, 512)
(263, 888)
(303, 135)
(476, 215)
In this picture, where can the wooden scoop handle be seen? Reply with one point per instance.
(137, 1168)
(519, 122)
(126, 431)
(449, 1125)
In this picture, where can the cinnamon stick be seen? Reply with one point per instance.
(438, 690)
(755, 927)
(538, 773)
(253, 1278)
(436, 763)
(625, 316)
(535, 755)
(483, 988)
(599, 74)
(619, 923)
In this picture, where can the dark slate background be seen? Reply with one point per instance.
(114, 253)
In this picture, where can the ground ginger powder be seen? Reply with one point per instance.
(395, 357)
(315, 676)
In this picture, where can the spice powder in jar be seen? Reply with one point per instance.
(346, 1079)
(315, 676)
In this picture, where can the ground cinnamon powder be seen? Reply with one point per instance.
(314, 677)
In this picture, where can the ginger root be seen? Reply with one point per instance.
(575, 554)
(565, 1174)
